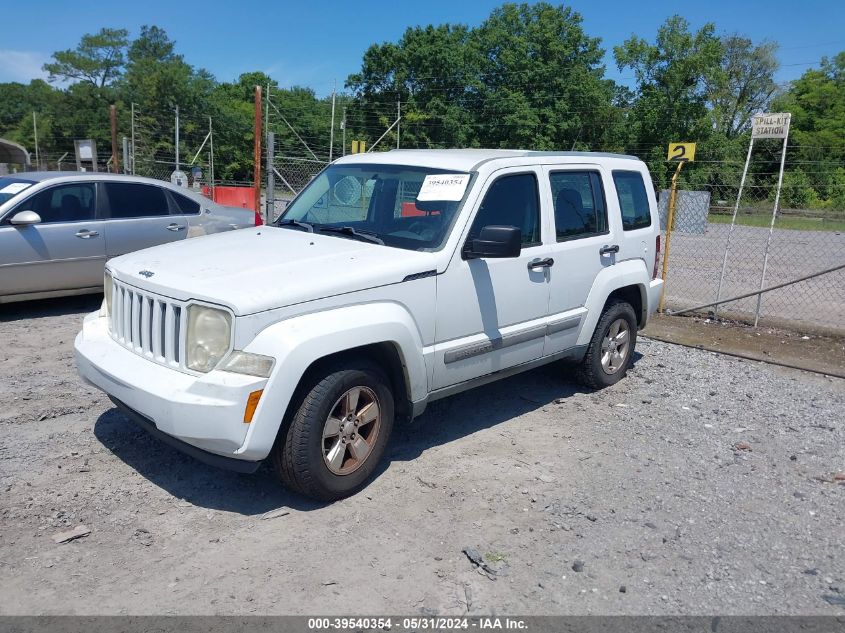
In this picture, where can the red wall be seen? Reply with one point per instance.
(243, 197)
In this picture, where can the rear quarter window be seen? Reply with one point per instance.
(184, 204)
(633, 200)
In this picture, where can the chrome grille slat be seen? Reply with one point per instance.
(155, 330)
(147, 324)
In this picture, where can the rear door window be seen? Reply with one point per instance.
(579, 204)
(633, 200)
(63, 203)
(136, 200)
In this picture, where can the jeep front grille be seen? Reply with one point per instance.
(150, 325)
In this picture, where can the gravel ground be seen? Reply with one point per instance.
(701, 484)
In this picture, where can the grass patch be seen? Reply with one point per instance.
(495, 557)
(782, 222)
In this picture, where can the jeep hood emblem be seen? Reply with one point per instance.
(146, 273)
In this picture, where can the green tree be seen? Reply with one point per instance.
(672, 76)
(542, 80)
(432, 72)
(742, 84)
(817, 103)
(98, 59)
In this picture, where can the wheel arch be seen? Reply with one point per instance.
(383, 333)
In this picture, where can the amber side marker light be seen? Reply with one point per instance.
(252, 405)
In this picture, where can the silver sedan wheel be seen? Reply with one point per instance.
(351, 430)
(616, 346)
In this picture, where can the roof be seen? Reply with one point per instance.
(39, 176)
(464, 159)
(13, 153)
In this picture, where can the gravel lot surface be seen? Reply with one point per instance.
(701, 484)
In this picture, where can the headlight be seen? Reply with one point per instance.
(108, 288)
(249, 364)
(209, 337)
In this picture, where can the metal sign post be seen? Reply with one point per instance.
(678, 153)
(762, 126)
(771, 126)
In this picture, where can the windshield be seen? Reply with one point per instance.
(10, 187)
(404, 207)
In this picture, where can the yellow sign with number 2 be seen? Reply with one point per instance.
(681, 152)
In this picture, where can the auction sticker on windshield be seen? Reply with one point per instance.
(449, 187)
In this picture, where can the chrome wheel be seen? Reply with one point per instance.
(616, 346)
(351, 430)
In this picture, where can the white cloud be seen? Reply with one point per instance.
(21, 66)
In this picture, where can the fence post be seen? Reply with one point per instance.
(113, 120)
(670, 223)
(271, 180)
(257, 151)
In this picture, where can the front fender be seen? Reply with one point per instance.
(632, 272)
(298, 342)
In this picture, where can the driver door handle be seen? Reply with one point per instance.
(85, 234)
(548, 262)
(607, 250)
(175, 227)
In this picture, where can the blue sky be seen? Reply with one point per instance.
(317, 42)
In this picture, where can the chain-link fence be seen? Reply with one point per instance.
(289, 177)
(711, 260)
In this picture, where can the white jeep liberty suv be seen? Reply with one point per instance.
(393, 279)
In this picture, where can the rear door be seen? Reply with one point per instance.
(582, 246)
(65, 251)
(139, 216)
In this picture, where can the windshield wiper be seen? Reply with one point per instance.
(296, 223)
(364, 236)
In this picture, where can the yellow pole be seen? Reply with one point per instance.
(670, 223)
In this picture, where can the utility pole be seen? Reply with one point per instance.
(398, 116)
(177, 138)
(125, 155)
(343, 129)
(35, 134)
(256, 176)
(331, 133)
(113, 116)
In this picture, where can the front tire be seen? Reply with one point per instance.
(338, 434)
(611, 348)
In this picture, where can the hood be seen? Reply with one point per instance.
(257, 269)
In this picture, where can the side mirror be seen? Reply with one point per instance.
(496, 241)
(25, 218)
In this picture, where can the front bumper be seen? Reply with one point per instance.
(220, 461)
(203, 412)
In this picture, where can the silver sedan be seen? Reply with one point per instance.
(58, 229)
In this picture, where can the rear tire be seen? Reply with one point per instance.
(611, 348)
(338, 433)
